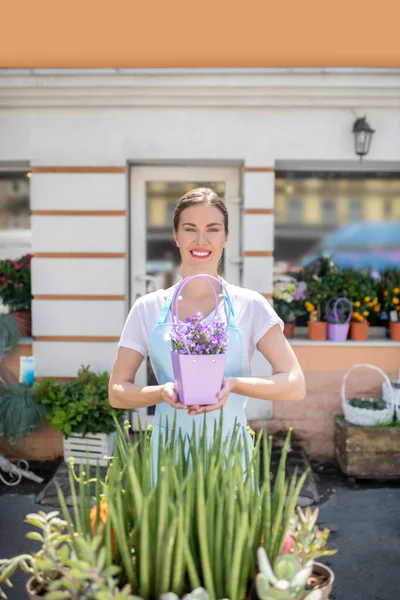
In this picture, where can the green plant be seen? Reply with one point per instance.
(15, 283)
(193, 518)
(389, 291)
(19, 413)
(84, 574)
(310, 542)
(317, 294)
(286, 580)
(78, 406)
(42, 565)
(287, 304)
(8, 334)
(368, 403)
(361, 290)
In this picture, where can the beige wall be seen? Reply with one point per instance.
(324, 367)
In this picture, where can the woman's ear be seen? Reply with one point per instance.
(175, 238)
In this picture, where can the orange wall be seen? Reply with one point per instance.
(324, 367)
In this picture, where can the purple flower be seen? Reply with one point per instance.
(199, 337)
(300, 294)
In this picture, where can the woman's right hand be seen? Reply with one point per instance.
(169, 395)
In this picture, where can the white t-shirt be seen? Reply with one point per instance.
(253, 314)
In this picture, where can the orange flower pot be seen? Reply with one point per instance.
(288, 330)
(359, 331)
(395, 331)
(317, 331)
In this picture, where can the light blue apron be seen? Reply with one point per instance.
(159, 352)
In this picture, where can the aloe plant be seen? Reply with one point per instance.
(200, 522)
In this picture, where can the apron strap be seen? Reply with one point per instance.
(167, 306)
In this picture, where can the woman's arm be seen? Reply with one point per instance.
(124, 393)
(122, 389)
(287, 381)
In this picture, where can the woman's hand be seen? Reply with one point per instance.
(227, 388)
(169, 395)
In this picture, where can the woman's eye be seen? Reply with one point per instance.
(190, 229)
(213, 230)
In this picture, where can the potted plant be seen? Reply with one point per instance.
(81, 411)
(371, 410)
(15, 291)
(309, 543)
(186, 529)
(41, 565)
(338, 318)
(316, 295)
(288, 297)
(389, 293)
(361, 291)
(198, 351)
(64, 567)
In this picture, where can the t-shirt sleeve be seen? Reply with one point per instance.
(264, 317)
(134, 334)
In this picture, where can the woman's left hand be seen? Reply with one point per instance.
(222, 396)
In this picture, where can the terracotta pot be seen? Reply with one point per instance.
(359, 331)
(323, 578)
(395, 331)
(23, 320)
(317, 330)
(288, 330)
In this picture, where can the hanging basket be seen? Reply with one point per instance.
(366, 416)
(198, 377)
(338, 332)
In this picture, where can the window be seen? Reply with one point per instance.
(352, 216)
(15, 227)
(355, 211)
(295, 210)
(329, 213)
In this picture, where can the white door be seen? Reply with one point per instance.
(154, 258)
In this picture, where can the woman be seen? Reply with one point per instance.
(200, 228)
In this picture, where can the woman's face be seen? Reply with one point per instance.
(201, 237)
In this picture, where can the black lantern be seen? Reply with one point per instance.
(362, 136)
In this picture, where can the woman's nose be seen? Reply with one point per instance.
(201, 237)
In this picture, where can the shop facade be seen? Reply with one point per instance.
(107, 153)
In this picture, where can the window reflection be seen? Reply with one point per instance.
(15, 233)
(354, 217)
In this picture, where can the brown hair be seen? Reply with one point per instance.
(200, 196)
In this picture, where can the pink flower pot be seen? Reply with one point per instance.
(198, 377)
(338, 332)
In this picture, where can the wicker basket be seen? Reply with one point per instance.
(365, 416)
(388, 390)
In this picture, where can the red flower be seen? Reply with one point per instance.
(288, 544)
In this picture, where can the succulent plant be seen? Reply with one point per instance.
(286, 581)
(42, 564)
(310, 542)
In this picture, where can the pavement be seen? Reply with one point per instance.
(363, 516)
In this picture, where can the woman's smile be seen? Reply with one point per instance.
(200, 253)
